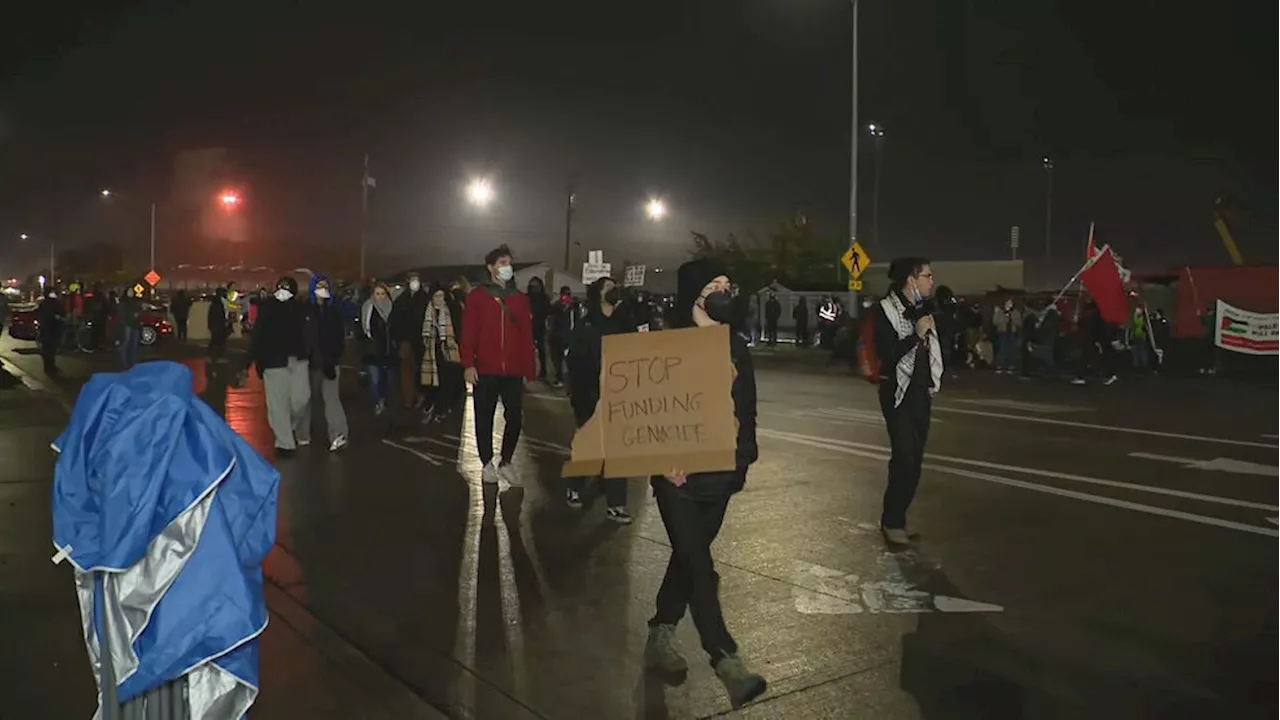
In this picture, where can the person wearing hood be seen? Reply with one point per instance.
(219, 324)
(540, 307)
(406, 331)
(693, 505)
(564, 317)
(52, 325)
(279, 348)
(379, 348)
(497, 359)
(441, 367)
(584, 359)
(326, 340)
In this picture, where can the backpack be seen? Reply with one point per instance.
(868, 360)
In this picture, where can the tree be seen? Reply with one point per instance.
(793, 254)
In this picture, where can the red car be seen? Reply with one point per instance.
(24, 325)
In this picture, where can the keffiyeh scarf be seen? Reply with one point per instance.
(901, 321)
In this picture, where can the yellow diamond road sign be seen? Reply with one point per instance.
(855, 260)
(139, 289)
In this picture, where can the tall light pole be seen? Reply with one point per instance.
(877, 132)
(107, 194)
(569, 197)
(853, 133)
(1048, 207)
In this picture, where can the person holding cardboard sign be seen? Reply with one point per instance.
(693, 505)
(497, 358)
(584, 362)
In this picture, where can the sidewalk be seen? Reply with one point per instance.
(308, 670)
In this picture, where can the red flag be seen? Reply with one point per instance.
(1101, 277)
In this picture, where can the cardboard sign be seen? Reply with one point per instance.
(665, 404)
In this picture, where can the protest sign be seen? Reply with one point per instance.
(1246, 332)
(665, 404)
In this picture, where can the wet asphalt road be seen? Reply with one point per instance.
(1104, 552)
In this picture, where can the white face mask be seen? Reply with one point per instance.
(414, 286)
(283, 295)
(505, 273)
(322, 293)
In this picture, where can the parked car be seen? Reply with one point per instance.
(23, 324)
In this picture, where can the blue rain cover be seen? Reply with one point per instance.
(154, 489)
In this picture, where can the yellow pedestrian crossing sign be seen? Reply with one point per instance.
(855, 260)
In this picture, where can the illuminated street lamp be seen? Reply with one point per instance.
(656, 209)
(52, 274)
(230, 199)
(480, 192)
(105, 192)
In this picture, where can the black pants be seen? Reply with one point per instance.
(691, 580)
(540, 347)
(446, 397)
(802, 335)
(49, 354)
(218, 345)
(556, 350)
(908, 426)
(180, 328)
(771, 332)
(485, 395)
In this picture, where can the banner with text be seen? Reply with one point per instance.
(665, 404)
(1246, 332)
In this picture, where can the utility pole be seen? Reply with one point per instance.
(1048, 208)
(153, 236)
(877, 132)
(568, 224)
(366, 182)
(854, 134)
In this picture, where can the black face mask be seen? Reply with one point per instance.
(719, 306)
(612, 296)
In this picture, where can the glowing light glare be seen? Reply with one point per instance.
(25, 236)
(42, 280)
(230, 198)
(656, 209)
(105, 192)
(480, 192)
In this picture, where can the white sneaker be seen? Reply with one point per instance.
(338, 443)
(1110, 381)
(304, 443)
(507, 473)
(489, 475)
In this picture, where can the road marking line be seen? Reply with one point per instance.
(819, 590)
(1022, 405)
(1062, 492)
(883, 453)
(547, 396)
(429, 458)
(1274, 521)
(1273, 437)
(1220, 464)
(1115, 428)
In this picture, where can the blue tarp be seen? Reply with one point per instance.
(154, 490)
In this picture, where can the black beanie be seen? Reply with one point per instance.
(691, 278)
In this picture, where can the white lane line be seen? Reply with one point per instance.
(547, 396)
(1062, 492)
(1274, 521)
(1023, 405)
(1273, 437)
(1220, 464)
(1113, 428)
(883, 453)
(429, 458)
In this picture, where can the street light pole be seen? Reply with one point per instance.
(153, 237)
(853, 135)
(568, 225)
(877, 132)
(1048, 208)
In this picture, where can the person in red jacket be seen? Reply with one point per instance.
(497, 359)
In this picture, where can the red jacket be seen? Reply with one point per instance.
(497, 335)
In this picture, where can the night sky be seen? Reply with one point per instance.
(736, 113)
